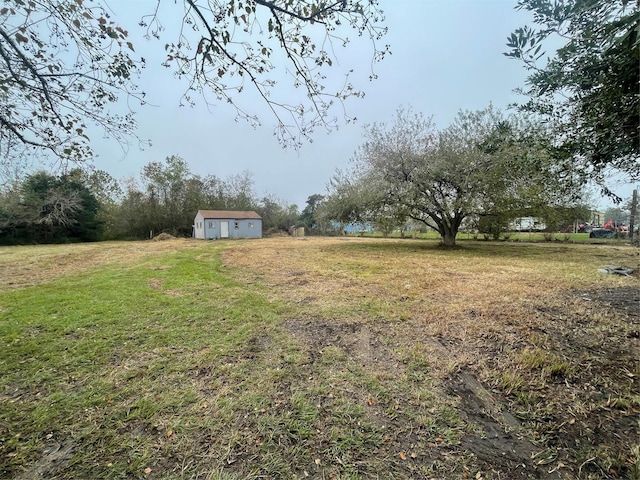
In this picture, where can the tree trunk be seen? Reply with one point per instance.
(448, 228)
(632, 218)
(449, 236)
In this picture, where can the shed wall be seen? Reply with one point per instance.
(238, 228)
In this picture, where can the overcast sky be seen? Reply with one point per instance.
(447, 55)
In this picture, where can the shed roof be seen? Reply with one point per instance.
(229, 214)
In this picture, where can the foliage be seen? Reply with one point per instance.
(308, 215)
(352, 201)
(493, 225)
(589, 89)
(64, 65)
(45, 208)
(228, 46)
(277, 213)
(165, 198)
(482, 163)
(563, 218)
(170, 195)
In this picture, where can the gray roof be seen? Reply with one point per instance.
(229, 214)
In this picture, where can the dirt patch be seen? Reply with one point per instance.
(499, 444)
(356, 340)
(55, 456)
(624, 299)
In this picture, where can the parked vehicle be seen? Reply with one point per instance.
(601, 233)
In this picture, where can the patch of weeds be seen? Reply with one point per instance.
(602, 462)
(558, 368)
(351, 442)
(510, 383)
(550, 364)
(532, 358)
(415, 359)
(333, 355)
(450, 425)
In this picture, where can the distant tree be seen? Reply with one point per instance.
(589, 89)
(482, 163)
(64, 64)
(45, 208)
(168, 195)
(277, 214)
(14, 217)
(308, 214)
(238, 192)
(166, 188)
(132, 219)
(108, 193)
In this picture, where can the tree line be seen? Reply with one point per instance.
(81, 206)
(484, 168)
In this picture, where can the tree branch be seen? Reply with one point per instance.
(34, 72)
(272, 6)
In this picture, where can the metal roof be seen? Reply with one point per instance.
(229, 214)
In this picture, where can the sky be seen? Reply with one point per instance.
(447, 56)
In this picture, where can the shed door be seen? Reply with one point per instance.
(224, 229)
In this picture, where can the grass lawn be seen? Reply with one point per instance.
(323, 358)
(555, 237)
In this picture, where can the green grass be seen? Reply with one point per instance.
(537, 237)
(167, 367)
(177, 362)
(99, 359)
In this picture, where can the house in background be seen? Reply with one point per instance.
(216, 224)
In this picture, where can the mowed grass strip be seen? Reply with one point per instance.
(322, 358)
(98, 367)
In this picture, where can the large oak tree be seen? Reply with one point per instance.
(482, 164)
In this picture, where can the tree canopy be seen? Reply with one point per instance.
(482, 164)
(589, 89)
(44, 208)
(65, 65)
(91, 205)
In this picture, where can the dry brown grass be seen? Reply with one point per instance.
(368, 357)
(25, 266)
(418, 280)
(536, 323)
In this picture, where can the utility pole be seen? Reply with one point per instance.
(634, 212)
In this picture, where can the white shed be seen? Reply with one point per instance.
(216, 224)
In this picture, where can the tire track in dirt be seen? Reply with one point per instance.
(500, 446)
